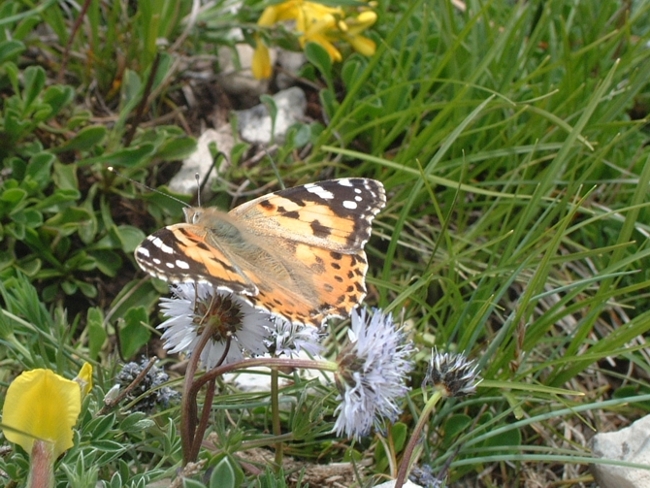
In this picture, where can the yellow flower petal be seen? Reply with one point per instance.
(85, 379)
(363, 21)
(42, 405)
(280, 12)
(362, 45)
(261, 66)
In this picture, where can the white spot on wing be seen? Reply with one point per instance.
(170, 265)
(345, 182)
(320, 191)
(350, 205)
(157, 241)
(156, 261)
(143, 252)
(182, 264)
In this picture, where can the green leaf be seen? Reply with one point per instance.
(65, 176)
(317, 55)
(130, 237)
(108, 262)
(399, 432)
(10, 49)
(175, 149)
(13, 196)
(134, 334)
(28, 217)
(85, 140)
(350, 71)
(87, 289)
(57, 97)
(223, 475)
(329, 102)
(39, 169)
(96, 333)
(136, 422)
(453, 426)
(188, 483)
(34, 77)
(126, 157)
(100, 426)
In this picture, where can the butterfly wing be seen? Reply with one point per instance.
(319, 231)
(332, 214)
(184, 253)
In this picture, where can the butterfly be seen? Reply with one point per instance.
(296, 253)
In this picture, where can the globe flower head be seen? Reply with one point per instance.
(372, 373)
(41, 405)
(290, 339)
(236, 327)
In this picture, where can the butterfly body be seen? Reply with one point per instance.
(296, 253)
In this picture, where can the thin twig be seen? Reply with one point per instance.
(137, 118)
(75, 28)
(138, 379)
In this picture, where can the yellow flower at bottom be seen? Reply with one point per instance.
(40, 404)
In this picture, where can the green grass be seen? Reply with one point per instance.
(512, 143)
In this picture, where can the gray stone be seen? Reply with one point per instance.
(631, 444)
(290, 62)
(391, 484)
(254, 124)
(200, 161)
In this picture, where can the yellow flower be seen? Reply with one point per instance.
(353, 30)
(261, 66)
(42, 405)
(314, 22)
(85, 379)
(319, 30)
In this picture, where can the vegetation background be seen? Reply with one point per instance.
(512, 140)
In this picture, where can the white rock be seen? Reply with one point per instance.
(630, 444)
(254, 124)
(391, 484)
(290, 62)
(200, 161)
(259, 379)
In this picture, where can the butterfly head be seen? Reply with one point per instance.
(192, 214)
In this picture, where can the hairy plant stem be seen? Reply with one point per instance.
(415, 437)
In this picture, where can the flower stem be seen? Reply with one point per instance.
(415, 437)
(189, 404)
(275, 412)
(41, 467)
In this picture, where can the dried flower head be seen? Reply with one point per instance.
(453, 374)
(372, 373)
(236, 328)
(149, 390)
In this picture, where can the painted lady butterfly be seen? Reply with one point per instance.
(297, 253)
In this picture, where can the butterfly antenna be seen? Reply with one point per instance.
(197, 177)
(142, 185)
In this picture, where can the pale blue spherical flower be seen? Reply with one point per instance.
(238, 329)
(372, 373)
(290, 339)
